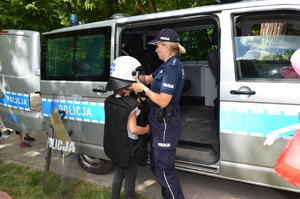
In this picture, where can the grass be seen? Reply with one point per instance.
(26, 183)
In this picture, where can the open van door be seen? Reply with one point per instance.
(198, 148)
(259, 90)
(19, 80)
(75, 70)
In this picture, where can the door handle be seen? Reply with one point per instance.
(241, 92)
(100, 89)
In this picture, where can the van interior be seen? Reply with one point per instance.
(199, 106)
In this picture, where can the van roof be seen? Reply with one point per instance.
(19, 32)
(177, 13)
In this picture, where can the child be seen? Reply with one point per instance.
(24, 140)
(121, 129)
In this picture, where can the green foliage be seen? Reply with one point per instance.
(23, 182)
(197, 44)
(46, 15)
(284, 56)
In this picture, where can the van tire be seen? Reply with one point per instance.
(95, 165)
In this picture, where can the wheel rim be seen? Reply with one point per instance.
(91, 160)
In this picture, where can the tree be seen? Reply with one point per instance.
(46, 15)
(268, 29)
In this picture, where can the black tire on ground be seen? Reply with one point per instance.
(95, 165)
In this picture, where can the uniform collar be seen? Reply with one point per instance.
(171, 58)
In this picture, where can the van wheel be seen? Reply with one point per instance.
(95, 165)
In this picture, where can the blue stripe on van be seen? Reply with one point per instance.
(76, 110)
(16, 100)
(256, 124)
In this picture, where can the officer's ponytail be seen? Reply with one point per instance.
(175, 47)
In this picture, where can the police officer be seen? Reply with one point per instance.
(165, 123)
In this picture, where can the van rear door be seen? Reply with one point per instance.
(19, 73)
(259, 90)
(75, 64)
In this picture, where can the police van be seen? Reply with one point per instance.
(239, 85)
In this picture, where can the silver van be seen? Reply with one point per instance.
(19, 80)
(239, 84)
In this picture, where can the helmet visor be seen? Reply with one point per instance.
(115, 84)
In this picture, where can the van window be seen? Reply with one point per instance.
(264, 44)
(59, 57)
(14, 54)
(83, 55)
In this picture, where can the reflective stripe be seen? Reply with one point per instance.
(257, 119)
(15, 100)
(76, 110)
(164, 138)
(168, 185)
(174, 61)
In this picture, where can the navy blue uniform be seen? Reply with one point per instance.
(168, 78)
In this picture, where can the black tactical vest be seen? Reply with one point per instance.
(116, 141)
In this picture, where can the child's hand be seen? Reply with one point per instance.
(141, 99)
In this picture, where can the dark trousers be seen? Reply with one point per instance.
(129, 174)
(162, 162)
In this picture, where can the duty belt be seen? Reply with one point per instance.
(166, 113)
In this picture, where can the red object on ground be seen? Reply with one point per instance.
(288, 163)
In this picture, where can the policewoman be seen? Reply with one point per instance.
(164, 119)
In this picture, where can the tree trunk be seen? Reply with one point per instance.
(271, 29)
(268, 29)
(112, 7)
(152, 6)
(142, 8)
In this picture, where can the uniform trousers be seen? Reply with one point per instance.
(163, 166)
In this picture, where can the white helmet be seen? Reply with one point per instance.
(123, 72)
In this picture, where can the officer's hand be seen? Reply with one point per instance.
(148, 128)
(137, 87)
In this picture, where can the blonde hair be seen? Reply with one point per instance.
(175, 47)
